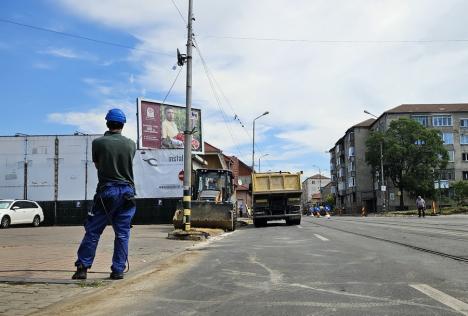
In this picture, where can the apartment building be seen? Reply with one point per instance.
(351, 177)
(353, 191)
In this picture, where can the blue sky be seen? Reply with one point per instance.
(314, 90)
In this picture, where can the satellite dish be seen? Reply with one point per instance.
(239, 181)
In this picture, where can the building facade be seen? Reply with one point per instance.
(351, 176)
(363, 188)
(312, 189)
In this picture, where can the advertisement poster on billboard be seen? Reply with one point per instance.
(157, 173)
(161, 126)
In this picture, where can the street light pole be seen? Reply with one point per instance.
(253, 139)
(259, 161)
(383, 188)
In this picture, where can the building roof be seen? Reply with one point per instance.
(209, 149)
(318, 176)
(365, 123)
(430, 108)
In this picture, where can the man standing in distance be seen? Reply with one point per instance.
(114, 201)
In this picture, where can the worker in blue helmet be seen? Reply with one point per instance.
(114, 201)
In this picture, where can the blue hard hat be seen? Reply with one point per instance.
(116, 115)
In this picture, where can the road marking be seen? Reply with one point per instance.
(443, 298)
(321, 237)
(299, 226)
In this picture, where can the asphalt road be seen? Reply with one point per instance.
(337, 266)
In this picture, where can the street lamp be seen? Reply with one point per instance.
(383, 187)
(253, 139)
(259, 160)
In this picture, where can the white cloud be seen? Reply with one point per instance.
(314, 91)
(62, 52)
(42, 65)
(93, 122)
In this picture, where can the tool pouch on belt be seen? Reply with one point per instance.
(129, 201)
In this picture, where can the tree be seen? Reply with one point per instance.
(460, 191)
(412, 154)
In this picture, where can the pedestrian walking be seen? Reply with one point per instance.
(114, 201)
(421, 205)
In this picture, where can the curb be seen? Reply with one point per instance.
(152, 267)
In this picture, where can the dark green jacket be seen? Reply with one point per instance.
(113, 156)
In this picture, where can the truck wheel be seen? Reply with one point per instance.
(257, 223)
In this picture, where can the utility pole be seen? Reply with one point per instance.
(187, 199)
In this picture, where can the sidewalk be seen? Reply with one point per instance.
(36, 264)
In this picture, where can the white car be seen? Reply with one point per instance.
(20, 212)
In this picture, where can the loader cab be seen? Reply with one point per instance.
(213, 185)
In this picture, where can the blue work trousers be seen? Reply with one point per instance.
(113, 203)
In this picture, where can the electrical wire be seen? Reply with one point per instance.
(173, 83)
(272, 39)
(81, 37)
(180, 13)
(216, 96)
(213, 83)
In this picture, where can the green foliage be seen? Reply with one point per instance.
(412, 154)
(460, 191)
(330, 200)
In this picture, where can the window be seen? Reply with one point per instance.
(351, 151)
(30, 205)
(421, 119)
(441, 184)
(465, 156)
(351, 182)
(442, 120)
(463, 139)
(419, 142)
(447, 174)
(447, 138)
(351, 166)
(464, 122)
(451, 155)
(465, 175)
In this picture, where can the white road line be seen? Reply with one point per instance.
(321, 237)
(441, 297)
(299, 226)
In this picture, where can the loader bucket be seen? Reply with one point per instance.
(208, 215)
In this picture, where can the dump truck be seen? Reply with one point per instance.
(276, 196)
(213, 201)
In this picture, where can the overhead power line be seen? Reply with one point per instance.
(180, 13)
(215, 87)
(81, 37)
(312, 41)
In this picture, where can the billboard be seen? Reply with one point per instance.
(161, 126)
(157, 173)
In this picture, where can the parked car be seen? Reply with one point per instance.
(20, 212)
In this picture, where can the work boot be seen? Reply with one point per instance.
(116, 275)
(81, 273)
